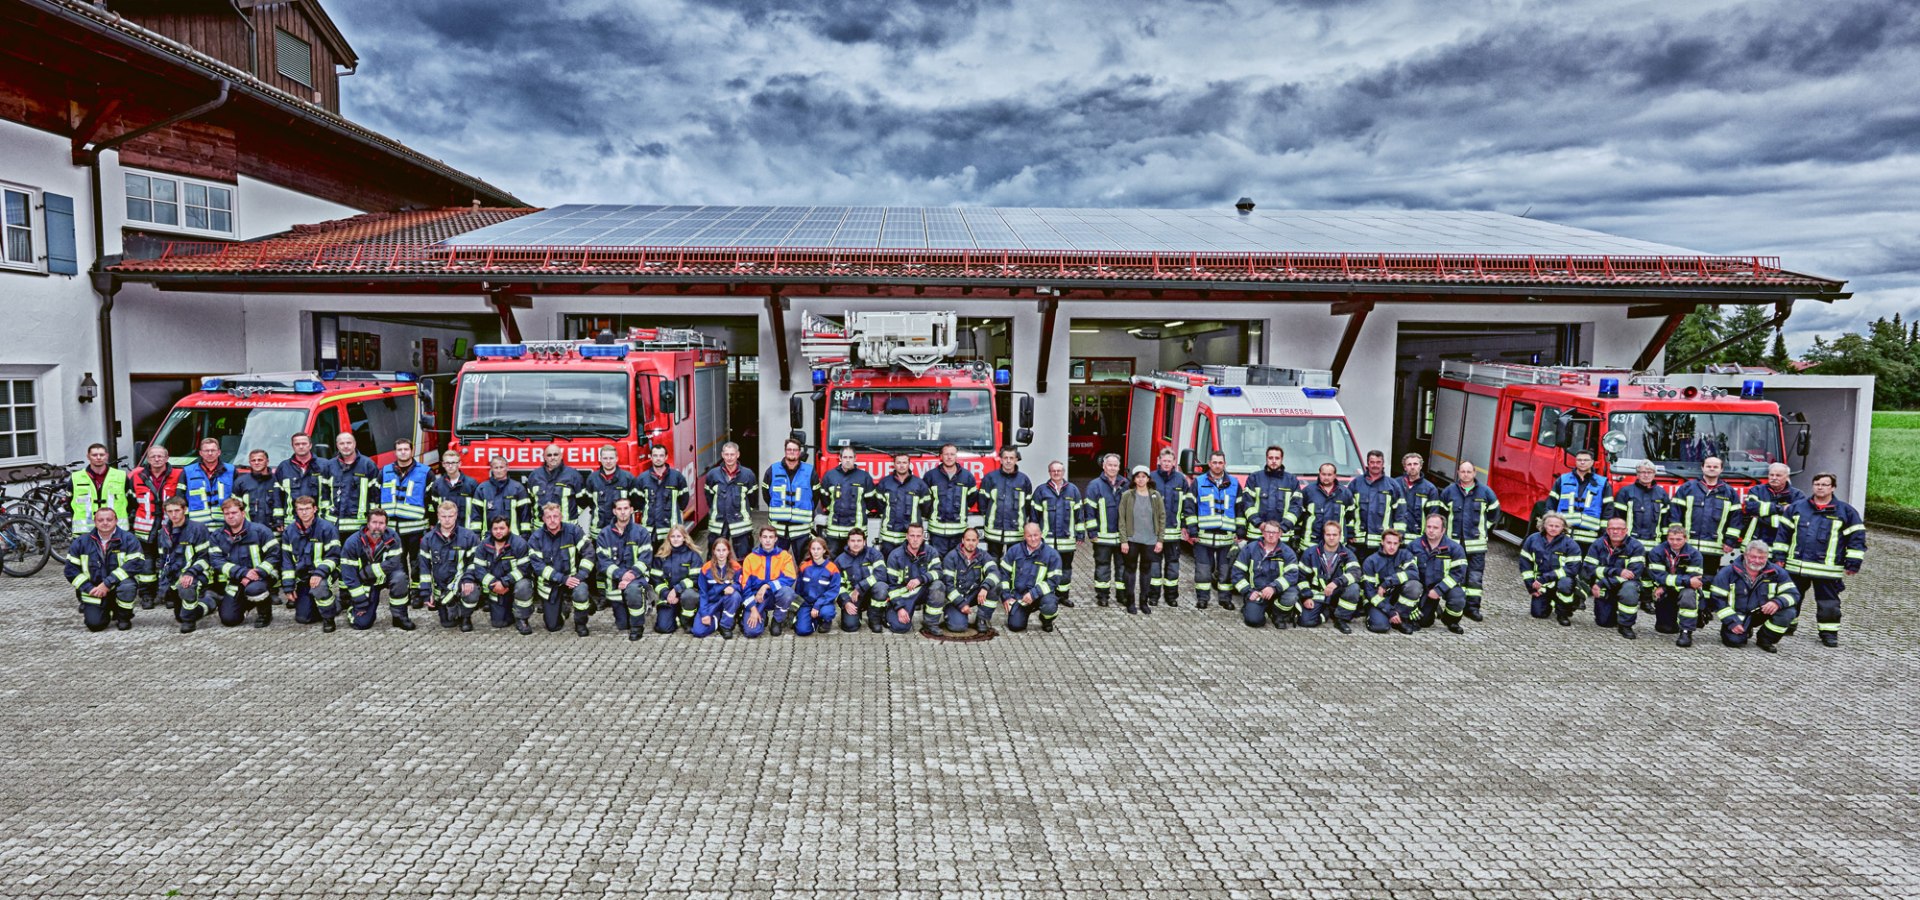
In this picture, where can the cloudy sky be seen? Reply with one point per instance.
(1788, 128)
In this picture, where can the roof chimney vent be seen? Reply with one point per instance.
(1244, 205)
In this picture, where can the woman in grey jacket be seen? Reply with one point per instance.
(1143, 518)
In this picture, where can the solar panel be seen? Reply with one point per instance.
(1098, 229)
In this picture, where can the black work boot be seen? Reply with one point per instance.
(634, 633)
(726, 634)
(186, 626)
(1685, 639)
(403, 623)
(327, 626)
(1101, 600)
(580, 628)
(1830, 638)
(1765, 640)
(265, 617)
(466, 623)
(1626, 631)
(1200, 603)
(1453, 625)
(523, 626)
(122, 624)
(1046, 623)
(1226, 602)
(1341, 625)
(1171, 598)
(874, 621)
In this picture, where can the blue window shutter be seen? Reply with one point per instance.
(63, 257)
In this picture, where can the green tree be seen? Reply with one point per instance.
(1701, 329)
(1749, 320)
(1777, 358)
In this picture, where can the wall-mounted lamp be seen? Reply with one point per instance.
(89, 388)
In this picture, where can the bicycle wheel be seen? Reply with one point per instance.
(24, 546)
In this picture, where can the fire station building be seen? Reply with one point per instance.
(340, 248)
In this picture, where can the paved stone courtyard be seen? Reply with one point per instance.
(1177, 755)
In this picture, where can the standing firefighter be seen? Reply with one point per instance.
(1378, 506)
(500, 497)
(95, 487)
(1175, 488)
(1100, 504)
(1582, 498)
(449, 485)
(1710, 510)
(555, 482)
(1004, 496)
(663, 495)
(731, 492)
(790, 501)
(901, 498)
(207, 484)
(846, 493)
(356, 484)
(1056, 506)
(950, 492)
(1824, 541)
(606, 484)
(1643, 504)
(1271, 495)
(1213, 520)
(1472, 511)
(625, 553)
(301, 475)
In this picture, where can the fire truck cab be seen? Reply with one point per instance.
(887, 382)
(1521, 425)
(1240, 411)
(264, 410)
(664, 386)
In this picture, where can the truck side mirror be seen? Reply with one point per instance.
(1803, 443)
(669, 396)
(1186, 460)
(1023, 437)
(1026, 411)
(140, 453)
(798, 436)
(796, 415)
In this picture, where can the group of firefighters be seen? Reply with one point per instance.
(1398, 552)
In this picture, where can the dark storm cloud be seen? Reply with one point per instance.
(1780, 128)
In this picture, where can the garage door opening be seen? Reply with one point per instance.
(1422, 346)
(1107, 353)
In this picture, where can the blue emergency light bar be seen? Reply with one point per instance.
(819, 377)
(499, 351)
(1002, 377)
(1321, 393)
(308, 386)
(1610, 387)
(603, 351)
(1753, 389)
(211, 384)
(1222, 390)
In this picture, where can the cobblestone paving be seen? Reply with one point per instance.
(1171, 756)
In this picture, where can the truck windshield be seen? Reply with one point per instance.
(240, 430)
(890, 419)
(1677, 442)
(541, 404)
(1308, 440)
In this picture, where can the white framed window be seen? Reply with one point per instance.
(181, 204)
(19, 421)
(16, 220)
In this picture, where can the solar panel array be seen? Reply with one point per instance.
(982, 228)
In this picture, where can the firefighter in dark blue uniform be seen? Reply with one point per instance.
(1213, 519)
(900, 498)
(553, 481)
(1677, 574)
(1390, 586)
(950, 494)
(182, 547)
(1266, 576)
(1100, 505)
(731, 490)
(1175, 488)
(309, 563)
(846, 494)
(1004, 496)
(1643, 504)
(501, 497)
(1824, 541)
(662, 494)
(446, 573)
(1440, 571)
(968, 575)
(102, 565)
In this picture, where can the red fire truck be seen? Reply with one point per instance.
(263, 411)
(886, 382)
(1240, 411)
(658, 385)
(1520, 425)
